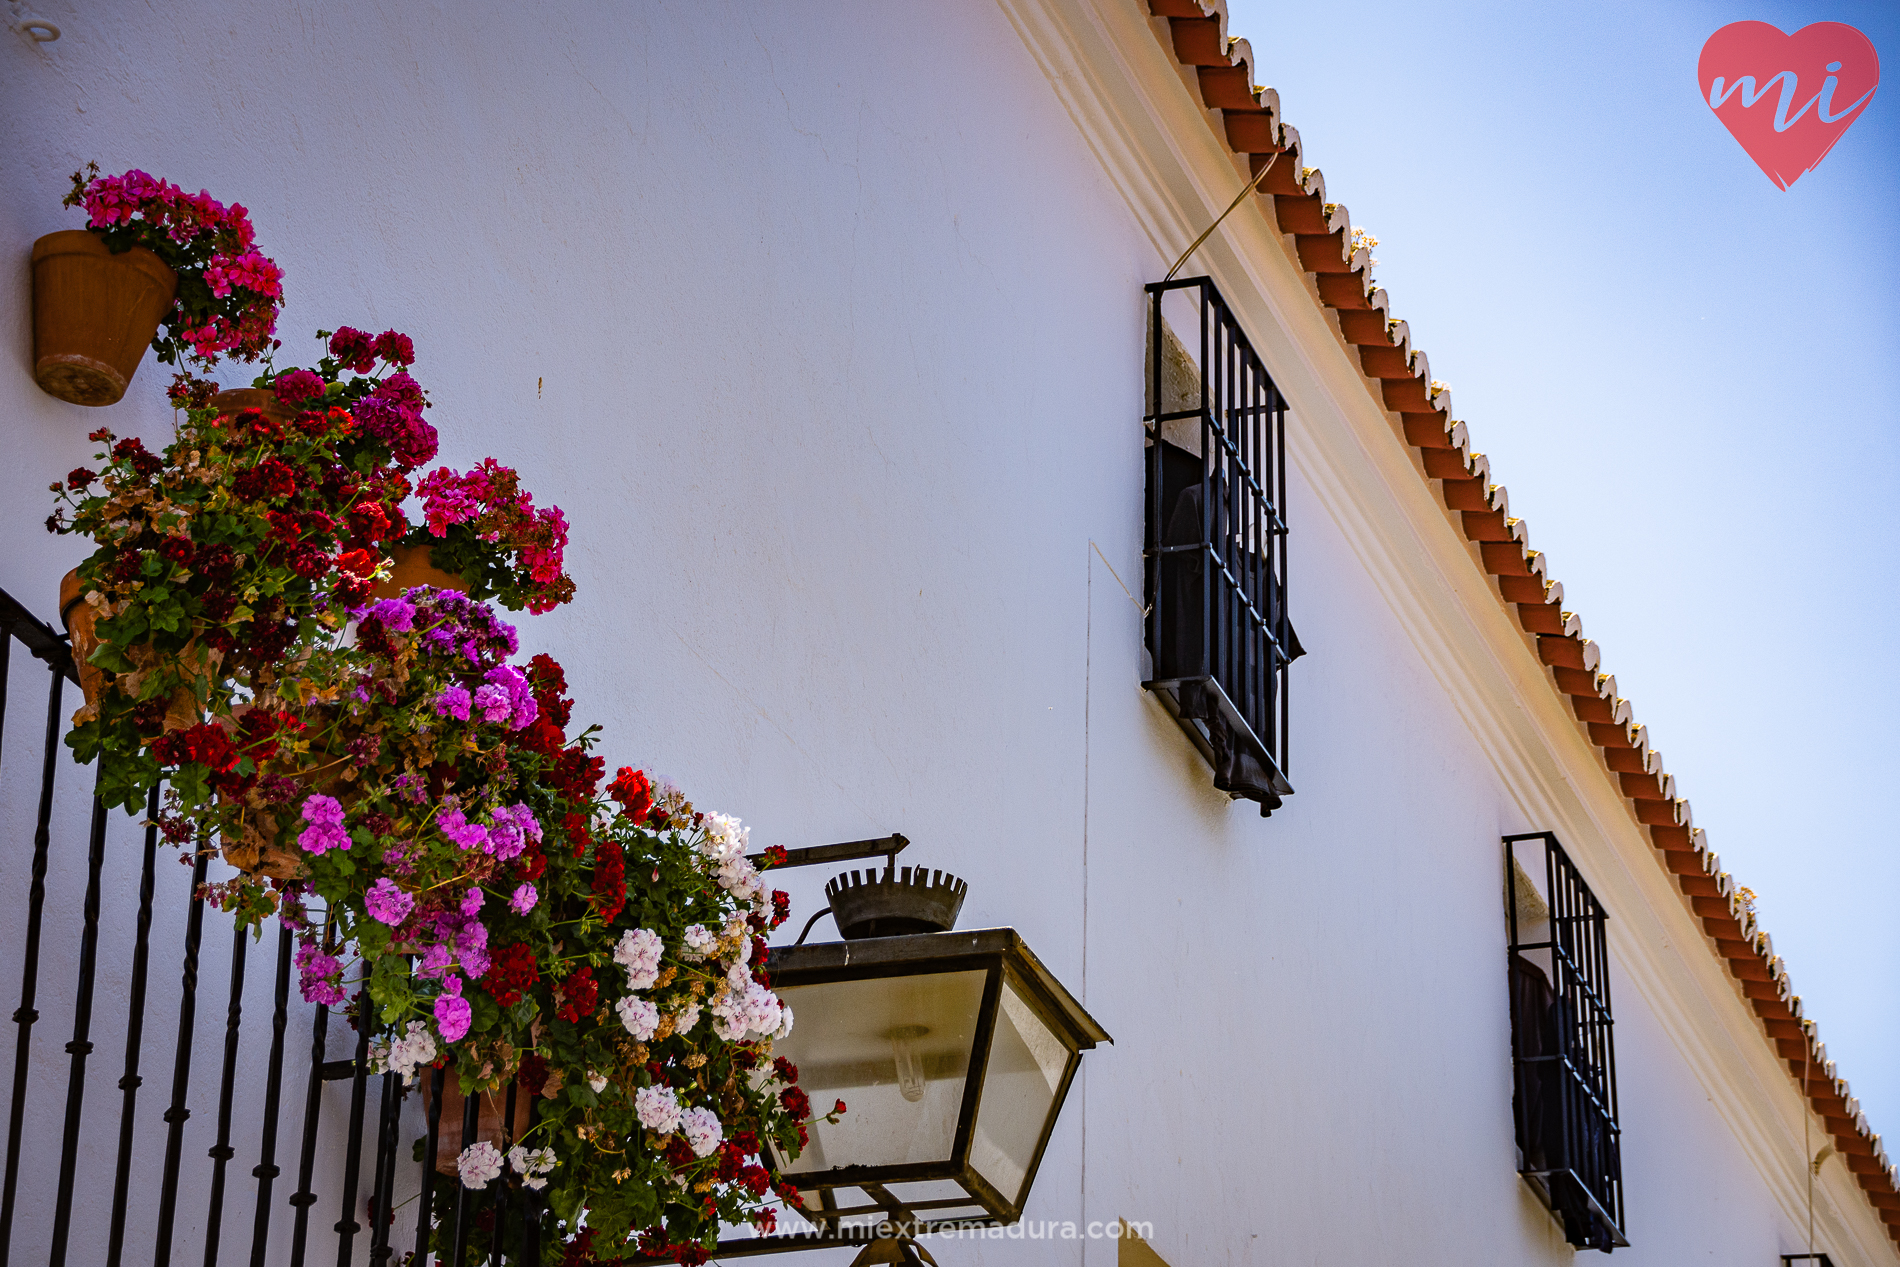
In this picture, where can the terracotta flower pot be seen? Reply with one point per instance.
(253, 398)
(411, 568)
(79, 618)
(448, 1135)
(94, 314)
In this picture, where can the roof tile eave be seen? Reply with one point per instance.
(1254, 127)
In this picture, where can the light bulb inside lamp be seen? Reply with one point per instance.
(910, 1070)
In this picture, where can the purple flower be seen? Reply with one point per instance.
(387, 903)
(454, 702)
(325, 830)
(523, 900)
(319, 975)
(397, 614)
(471, 948)
(435, 961)
(457, 828)
(452, 1012)
(508, 697)
(472, 901)
(513, 826)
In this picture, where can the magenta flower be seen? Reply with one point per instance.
(297, 386)
(452, 1012)
(324, 816)
(388, 903)
(454, 702)
(523, 900)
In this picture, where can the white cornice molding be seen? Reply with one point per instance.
(1163, 153)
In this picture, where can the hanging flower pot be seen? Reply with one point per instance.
(448, 1135)
(411, 567)
(238, 398)
(94, 314)
(78, 616)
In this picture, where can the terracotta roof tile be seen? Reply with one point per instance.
(1252, 125)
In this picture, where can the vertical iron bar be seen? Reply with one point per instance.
(222, 1152)
(26, 1014)
(178, 1114)
(134, 1035)
(302, 1199)
(266, 1169)
(1206, 665)
(531, 1199)
(346, 1225)
(471, 1123)
(495, 1239)
(81, 1045)
(425, 1214)
(382, 1187)
(1154, 535)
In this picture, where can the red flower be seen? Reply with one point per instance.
(775, 856)
(544, 737)
(838, 1107)
(533, 1074)
(205, 744)
(634, 791)
(79, 477)
(574, 826)
(578, 994)
(781, 907)
(395, 348)
(796, 1102)
(785, 1069)
(270, 480)
(133, 450)
(610, 880)
(550, 689)
(511, 973)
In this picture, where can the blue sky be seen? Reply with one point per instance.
(1687, 379)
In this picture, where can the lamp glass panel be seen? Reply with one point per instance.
(897, 1051)
(1019, 1092)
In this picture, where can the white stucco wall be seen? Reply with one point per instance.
(824, 325)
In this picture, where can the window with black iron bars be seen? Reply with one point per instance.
(1217, 634)
(1563, 1055)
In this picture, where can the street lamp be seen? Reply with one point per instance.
(953, 1050)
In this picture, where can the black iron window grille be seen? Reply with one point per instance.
(148, 1179)
(1563, 1057)
(1218, 638)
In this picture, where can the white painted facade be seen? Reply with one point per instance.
(824, 324)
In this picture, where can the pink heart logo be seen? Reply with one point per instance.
(1787, 98)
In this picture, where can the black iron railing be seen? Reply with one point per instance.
(198, 1195)
(1563, 1053)
(1217, 630)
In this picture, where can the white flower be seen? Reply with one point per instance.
(699, 940)
(748, 1008)
(657, 1108)
(478, 1164)
(702, 1130)
(404, 1055)
(724, 838)
(532, 1164)
(686, 1018)
(596, 1082)
(640, 1016)
(639, 952)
